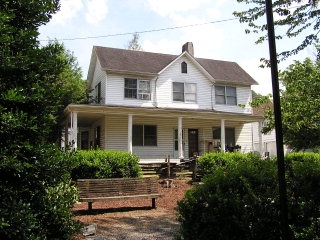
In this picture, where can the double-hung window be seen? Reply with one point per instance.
(184, 92)
(137, 89)
(144, 135)
(226, 95)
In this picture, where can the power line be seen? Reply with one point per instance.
(139, 32)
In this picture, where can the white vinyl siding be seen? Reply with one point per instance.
(194, 76)
(99, 76)
(244, 137)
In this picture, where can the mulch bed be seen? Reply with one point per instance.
(112, 211)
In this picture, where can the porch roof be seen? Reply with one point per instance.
(87, 114)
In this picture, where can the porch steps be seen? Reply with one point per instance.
(184, 174)
(179, 171)
(150, 169)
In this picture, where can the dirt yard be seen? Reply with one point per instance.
(134, 219)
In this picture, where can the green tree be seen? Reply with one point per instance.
(134, 43)
(35, 191)
(300, 103)
(296, 17)
(64, 85)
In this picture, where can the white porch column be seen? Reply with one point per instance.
(260, 138)
(66, 134)
(130, 133)
(223, 136)
(74, 129)
(180, 144)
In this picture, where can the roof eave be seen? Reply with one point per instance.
(136, 73)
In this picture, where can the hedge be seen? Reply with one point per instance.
(105, 164)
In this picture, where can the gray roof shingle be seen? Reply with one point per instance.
(122, 60)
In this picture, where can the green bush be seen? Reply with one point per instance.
(303, 181)
(105, 164)
(36, 194)
(239, 199)
(208, 162)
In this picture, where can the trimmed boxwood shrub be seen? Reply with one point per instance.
(238, 198)
(105, 164)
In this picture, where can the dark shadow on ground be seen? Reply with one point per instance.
(108, 210)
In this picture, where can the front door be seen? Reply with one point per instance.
(193, 142)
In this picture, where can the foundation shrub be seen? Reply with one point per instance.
(105, 164)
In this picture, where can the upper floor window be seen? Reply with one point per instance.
(137, 89)
(184, 92)
(226, 95)
(97, 90)
(144, 135)
(184, 67)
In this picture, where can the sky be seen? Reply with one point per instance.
(163, 27)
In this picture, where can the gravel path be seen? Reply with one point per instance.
(138, 224)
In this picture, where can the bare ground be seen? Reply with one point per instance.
(135, 219)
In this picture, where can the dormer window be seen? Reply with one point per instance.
(184, 67)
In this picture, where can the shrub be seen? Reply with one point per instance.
(304, 194)
(105, 164)
(36, 194)
(239, 198)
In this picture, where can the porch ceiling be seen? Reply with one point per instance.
(87, 114)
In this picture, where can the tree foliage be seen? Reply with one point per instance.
(300, 103)
(296, 17)
(35, 85)
(134, 43)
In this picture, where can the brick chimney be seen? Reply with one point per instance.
(188, 46)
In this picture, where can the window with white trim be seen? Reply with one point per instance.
(184, 92)
(226, 95)
(144, 135)
(137, 89)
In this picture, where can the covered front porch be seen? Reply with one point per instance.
(155, 133)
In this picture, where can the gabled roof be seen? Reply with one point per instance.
(140, 62)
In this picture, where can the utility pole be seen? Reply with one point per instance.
(278, 123)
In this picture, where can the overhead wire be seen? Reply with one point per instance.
(140, 32)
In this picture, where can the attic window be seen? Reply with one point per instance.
(184, 67)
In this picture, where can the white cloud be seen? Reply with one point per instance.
(68, 10)
(97, 11)
(168, 7)
(261, 75)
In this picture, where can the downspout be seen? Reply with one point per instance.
(212, 96)
(155, 103)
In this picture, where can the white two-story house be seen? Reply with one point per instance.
(154, 105)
